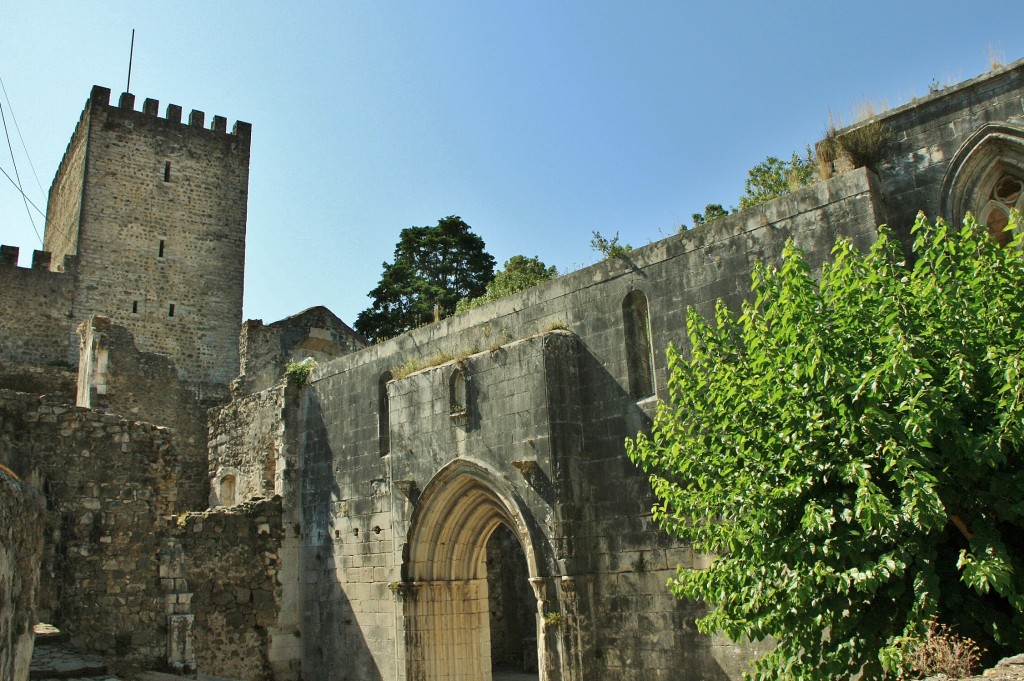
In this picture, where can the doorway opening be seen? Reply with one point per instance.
(511, 603)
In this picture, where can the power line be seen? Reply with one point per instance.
(24, 197)
(21, 138)
(17, 175)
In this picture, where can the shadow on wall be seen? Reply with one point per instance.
(639, 628)
(334, 646)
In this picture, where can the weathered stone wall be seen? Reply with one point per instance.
(116, 377)
(21, 551)
(548, 433)
(57, 381)
(160, 229)
(64, 202)
(265, 350)
(221, 568)
(256, 440)
(35, 310)
(247, 447)
(563, 421)
(108, 482)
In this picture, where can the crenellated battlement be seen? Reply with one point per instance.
(41, 260)
(241, 131)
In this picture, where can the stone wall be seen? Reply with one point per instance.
(247, 447)
(160, 206)
(64, 201)
(114, 375)
(35, 310)
(255, 442)
(57, 381)
(21, 551)
(220, 569)
(538, 445)
(108, 482)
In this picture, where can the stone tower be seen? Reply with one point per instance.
(155, 210)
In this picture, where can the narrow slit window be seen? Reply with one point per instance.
(639, 351)
(135, 307)
(384, 414)
(161, 249)
(170, 310)
(167, 171)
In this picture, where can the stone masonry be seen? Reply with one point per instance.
(442, 505)
(21, 552)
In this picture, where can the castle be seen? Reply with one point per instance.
(445, 503)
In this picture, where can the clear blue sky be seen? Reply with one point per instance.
(538, 122)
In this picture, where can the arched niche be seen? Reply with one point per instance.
(636, 322)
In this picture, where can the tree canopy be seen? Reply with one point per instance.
(519, 273)
(850, 451)
(774, 177)
(712, 212)
(432, 265)
(609, 248)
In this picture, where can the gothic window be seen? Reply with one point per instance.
(384, 413)
(639, 351)
(1006, 193)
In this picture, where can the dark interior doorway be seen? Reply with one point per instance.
(511, 603)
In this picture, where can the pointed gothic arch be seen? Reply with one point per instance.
(445, 574)
(992, 154)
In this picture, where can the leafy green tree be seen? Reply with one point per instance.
(609, 248)
(712, 212)
(519, 273)
(851, 453)
(773, 178)
(433, 266)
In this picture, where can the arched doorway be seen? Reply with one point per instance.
(459, 521)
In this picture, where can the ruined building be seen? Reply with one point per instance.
(448, 502)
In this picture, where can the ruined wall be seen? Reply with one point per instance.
(35, 310)
(255, 441)
(108, 482)
(57, 381)
(161, 211)
(220, 568)
(247, 446)
(592, 541)
(116, 377)
(265, 350)
(21, 551)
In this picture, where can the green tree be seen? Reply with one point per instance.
(712, 212)
(518, 273)
(433, 265)
(773, 178)
(609, 248)
(850, 452)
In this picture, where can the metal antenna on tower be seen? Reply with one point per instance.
(131, 53)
